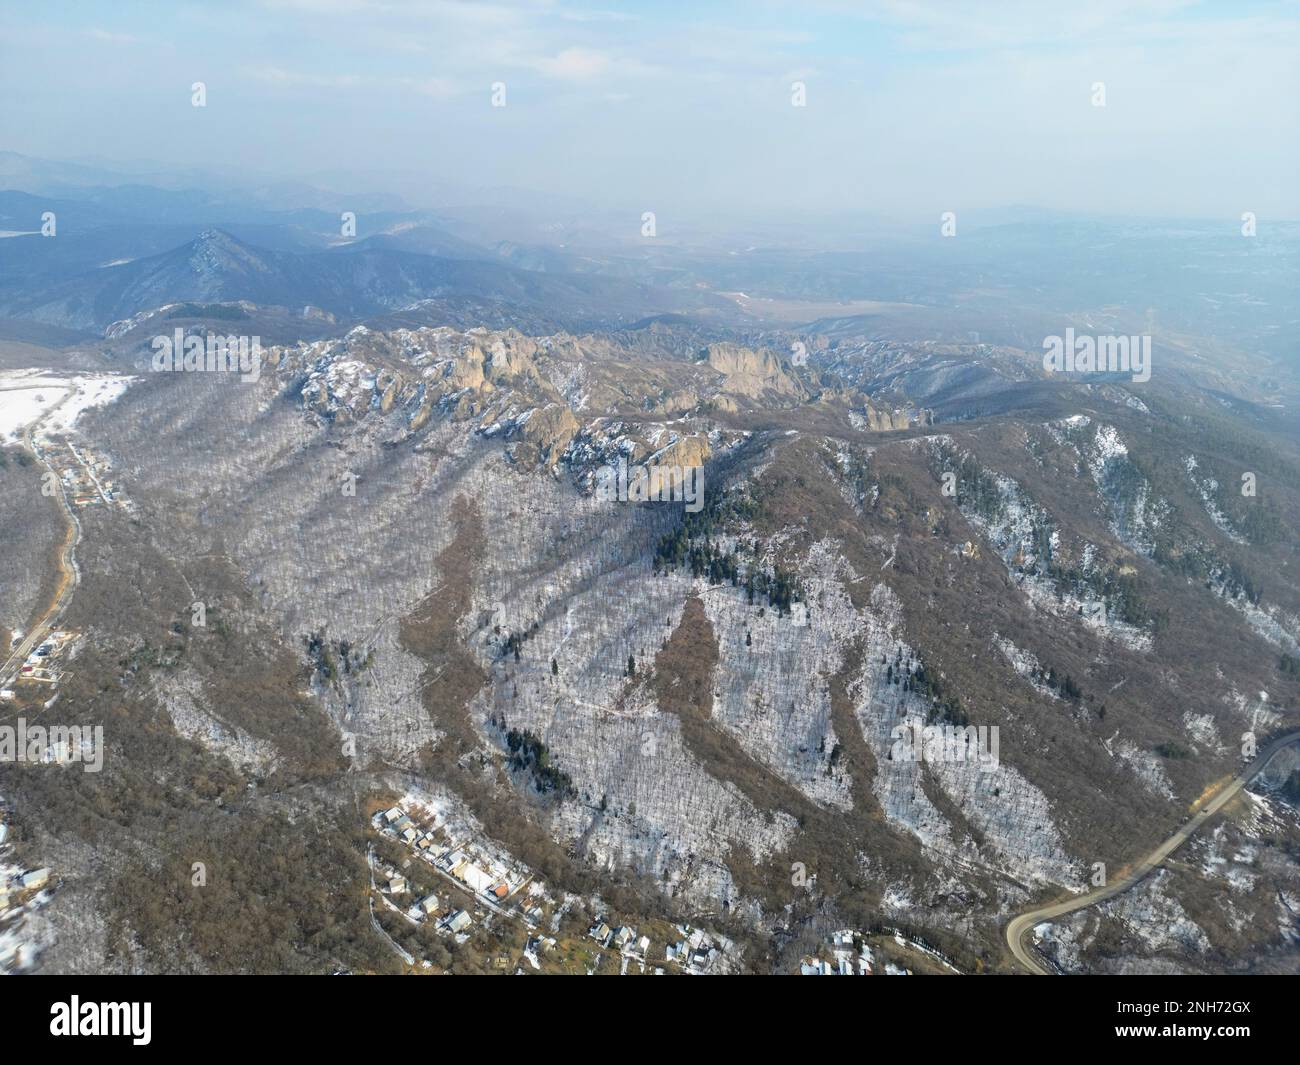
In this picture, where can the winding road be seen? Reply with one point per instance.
(1020, 926)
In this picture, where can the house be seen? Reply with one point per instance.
(500, 891)
(459, 921)
(428, 904)
(397, 885)
(392, 815)
(409, 835)
(35, 879)
(623, 936)
(475, 877)
(600, 932)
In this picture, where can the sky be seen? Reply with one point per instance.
(912, 107)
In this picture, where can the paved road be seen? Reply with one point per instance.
(69, 576)
(1020, 926)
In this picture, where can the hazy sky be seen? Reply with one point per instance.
(914, 107)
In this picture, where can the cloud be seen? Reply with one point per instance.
(910, 103)
(575, 64)
(439, 88)
(274, 75)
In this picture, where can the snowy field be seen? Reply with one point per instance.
(54, 400)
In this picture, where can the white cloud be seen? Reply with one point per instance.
(575, 64)
(274, 75)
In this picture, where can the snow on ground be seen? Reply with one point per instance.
(56, 400)
(1156, 918)
(1207, 488)
(1270, 621)
(96, 390)
(1026, 664)
(1144, 764)
(1201, 728)
(19, 408)
(25, 932)
(1063, 942)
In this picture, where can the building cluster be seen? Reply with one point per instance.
(698, 951)
(850, 956)
(473, 866)
(494, 880)
(622, 939)
(86, 475)
(42, 665)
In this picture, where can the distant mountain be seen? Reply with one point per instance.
(21, 212)
(418, 237)
(45, 175)
(369, 280)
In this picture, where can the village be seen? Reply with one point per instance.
(493, 880)
(484, 886)
(43, 664)
(696, 953)
(84, 474)
(850, 957)
(886, 952)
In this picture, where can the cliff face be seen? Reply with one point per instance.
(552, 392)
(751, 374)
(559, 402)
(885, 420)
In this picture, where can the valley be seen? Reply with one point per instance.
(406, 551)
